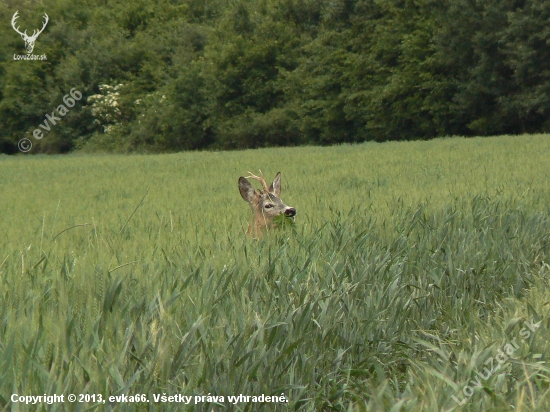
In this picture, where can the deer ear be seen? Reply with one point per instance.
(275, 187)
(247, 190)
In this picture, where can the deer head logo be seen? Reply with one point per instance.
(29, 40)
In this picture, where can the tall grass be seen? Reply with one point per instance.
(409, 266)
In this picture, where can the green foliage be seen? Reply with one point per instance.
(242, 74)
(527, 37)
(408, 266)
(285, 223)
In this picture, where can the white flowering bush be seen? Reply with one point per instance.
(151, 101)
(105, 107)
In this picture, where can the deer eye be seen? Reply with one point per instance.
(268, 206)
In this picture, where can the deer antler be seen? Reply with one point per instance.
(14, 18)
(35, 32)
(260, 179)
(47, 19)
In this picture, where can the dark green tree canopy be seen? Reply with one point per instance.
(170, 75)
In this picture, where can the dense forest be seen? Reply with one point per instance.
(170, 75)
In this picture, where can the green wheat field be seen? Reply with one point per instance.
(415, 278)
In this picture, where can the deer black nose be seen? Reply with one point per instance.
(290, 212)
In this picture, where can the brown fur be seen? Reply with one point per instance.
(265, 204)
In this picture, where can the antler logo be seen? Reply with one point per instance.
(29, 40)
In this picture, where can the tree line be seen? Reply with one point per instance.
(170, 75)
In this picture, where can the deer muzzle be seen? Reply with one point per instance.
(290, 212)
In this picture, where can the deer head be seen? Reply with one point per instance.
(29, 40)
(265, 203)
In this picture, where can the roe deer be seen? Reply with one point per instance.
(265, 203)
